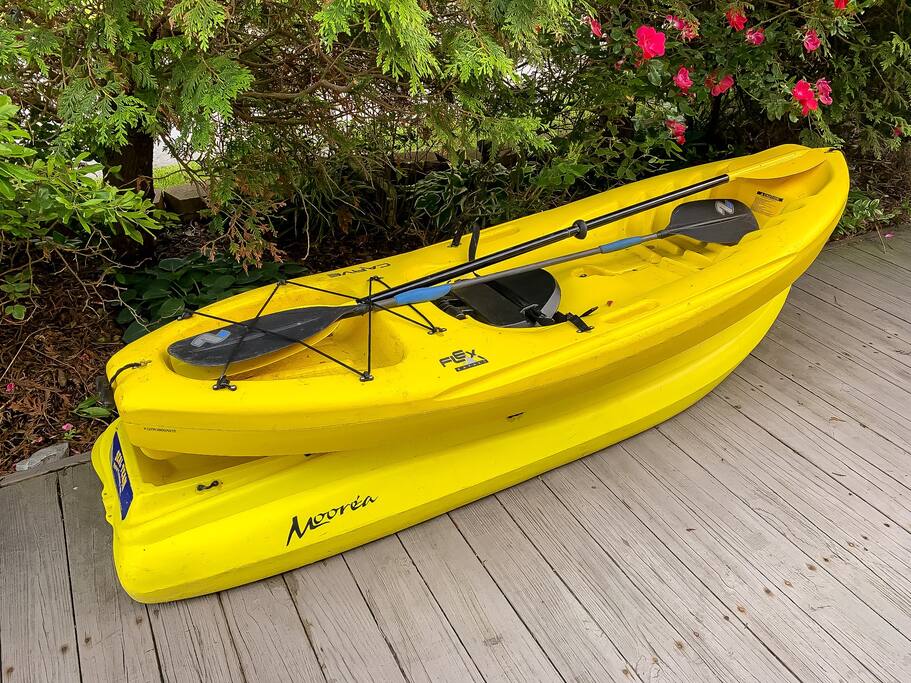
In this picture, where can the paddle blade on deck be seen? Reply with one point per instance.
(722, 221)
(254, 338)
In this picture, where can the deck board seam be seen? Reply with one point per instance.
(834, 284)
(878, 253)
(531, 633)
(566, 585)
(883, 407)
(440, 608)
(734, 549)
(829, 403)
(683, 636)
(69, 576)
(851, 357)
(848, 250)
(784, 501)
(847, 448)
(845, 268)
(154, 645)
(307, 634)
(360, 590)
(895, 356)
(841, 293)
(693, 574)
(224, 614)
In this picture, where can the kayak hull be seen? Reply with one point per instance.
(196, 524)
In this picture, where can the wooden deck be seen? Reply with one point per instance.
(762, 535)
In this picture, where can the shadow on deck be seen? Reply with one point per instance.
(761, 535)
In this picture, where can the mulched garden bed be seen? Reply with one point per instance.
(49, 363)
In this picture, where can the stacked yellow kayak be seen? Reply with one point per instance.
(216, 476)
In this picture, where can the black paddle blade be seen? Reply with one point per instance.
(722, 221)
(245, 340)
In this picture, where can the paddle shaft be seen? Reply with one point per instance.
(423, 294)
(546, 240)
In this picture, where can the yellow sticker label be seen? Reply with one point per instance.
(767, 204)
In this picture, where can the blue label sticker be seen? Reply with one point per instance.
(121, 478)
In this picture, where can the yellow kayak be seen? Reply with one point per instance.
(302, 452)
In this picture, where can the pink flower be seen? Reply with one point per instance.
(897, 132)
(673, 21)
(682, 80)
(805, 96)
(677, 128)
(889, 235)
(756, 36)
(718, 87)
(811, 41)
(596, 27)
(10, 387)
(736, 18)
(67, 427)
(650, 41)
(688, 30)
(840, 4)
(824, 90)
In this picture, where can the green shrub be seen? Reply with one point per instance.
(154, 295)
(862, 213)
(50, 203)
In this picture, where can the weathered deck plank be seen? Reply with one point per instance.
(37, 632)
(426, 646)
(652, 640)
(829, 523)
(860, 467)
(574, 642)
(342, 630)
(113, 632)
(706, 624)
(194, 642)
(763, 578)
(486, 624)
(271, 642)
(838, 384)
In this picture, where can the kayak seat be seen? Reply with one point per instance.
(502, 302)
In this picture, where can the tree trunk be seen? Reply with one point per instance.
(135, 162)
(135, 173)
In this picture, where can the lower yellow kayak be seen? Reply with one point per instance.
(207, 489)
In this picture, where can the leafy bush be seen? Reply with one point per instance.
(861, 214)
(50, 203)
(301, 115)
(155, 295)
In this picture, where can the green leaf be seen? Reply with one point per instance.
(170, 308)
(134, 332)
(172, 264)
(17, 311)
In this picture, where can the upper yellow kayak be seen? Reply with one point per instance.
(434, 374)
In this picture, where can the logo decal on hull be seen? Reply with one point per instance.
(121, 478)
(463, 360)
(201, 340)
(324, 518)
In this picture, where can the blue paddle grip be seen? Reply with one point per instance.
(422, 294)
(620, 244)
